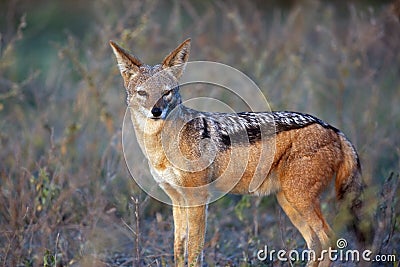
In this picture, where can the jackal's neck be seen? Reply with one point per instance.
(155, 136)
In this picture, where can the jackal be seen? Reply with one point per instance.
(308, 154)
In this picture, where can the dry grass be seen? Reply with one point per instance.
(65, 195)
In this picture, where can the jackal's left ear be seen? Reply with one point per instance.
(128, 64)
(176, 60)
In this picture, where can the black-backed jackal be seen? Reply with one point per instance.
(308, 154)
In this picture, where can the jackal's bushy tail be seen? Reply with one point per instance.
(349, 186)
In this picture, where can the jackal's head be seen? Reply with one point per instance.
(152, 90)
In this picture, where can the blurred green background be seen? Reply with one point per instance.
(65, 194)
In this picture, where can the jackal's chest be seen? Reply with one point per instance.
(167, 175)
(160, 167)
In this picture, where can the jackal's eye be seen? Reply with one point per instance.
(142, 93)
(167, 93)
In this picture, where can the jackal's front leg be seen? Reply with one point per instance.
(180, 234)
(190, 228)
(197, 229)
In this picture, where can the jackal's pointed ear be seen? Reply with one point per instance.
(128, 64)
(176, 60)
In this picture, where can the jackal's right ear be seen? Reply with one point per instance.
(128, 64)
(176, 60)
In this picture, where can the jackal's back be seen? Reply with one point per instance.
(248, 127)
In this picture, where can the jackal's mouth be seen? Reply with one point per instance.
(156, 118)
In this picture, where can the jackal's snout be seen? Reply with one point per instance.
(159, 109)
(156, 112)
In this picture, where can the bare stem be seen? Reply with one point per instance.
(136, 262)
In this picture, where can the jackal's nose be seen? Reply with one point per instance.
(156, 112)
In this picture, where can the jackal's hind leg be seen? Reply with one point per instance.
(315, 237)
(325, 234)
